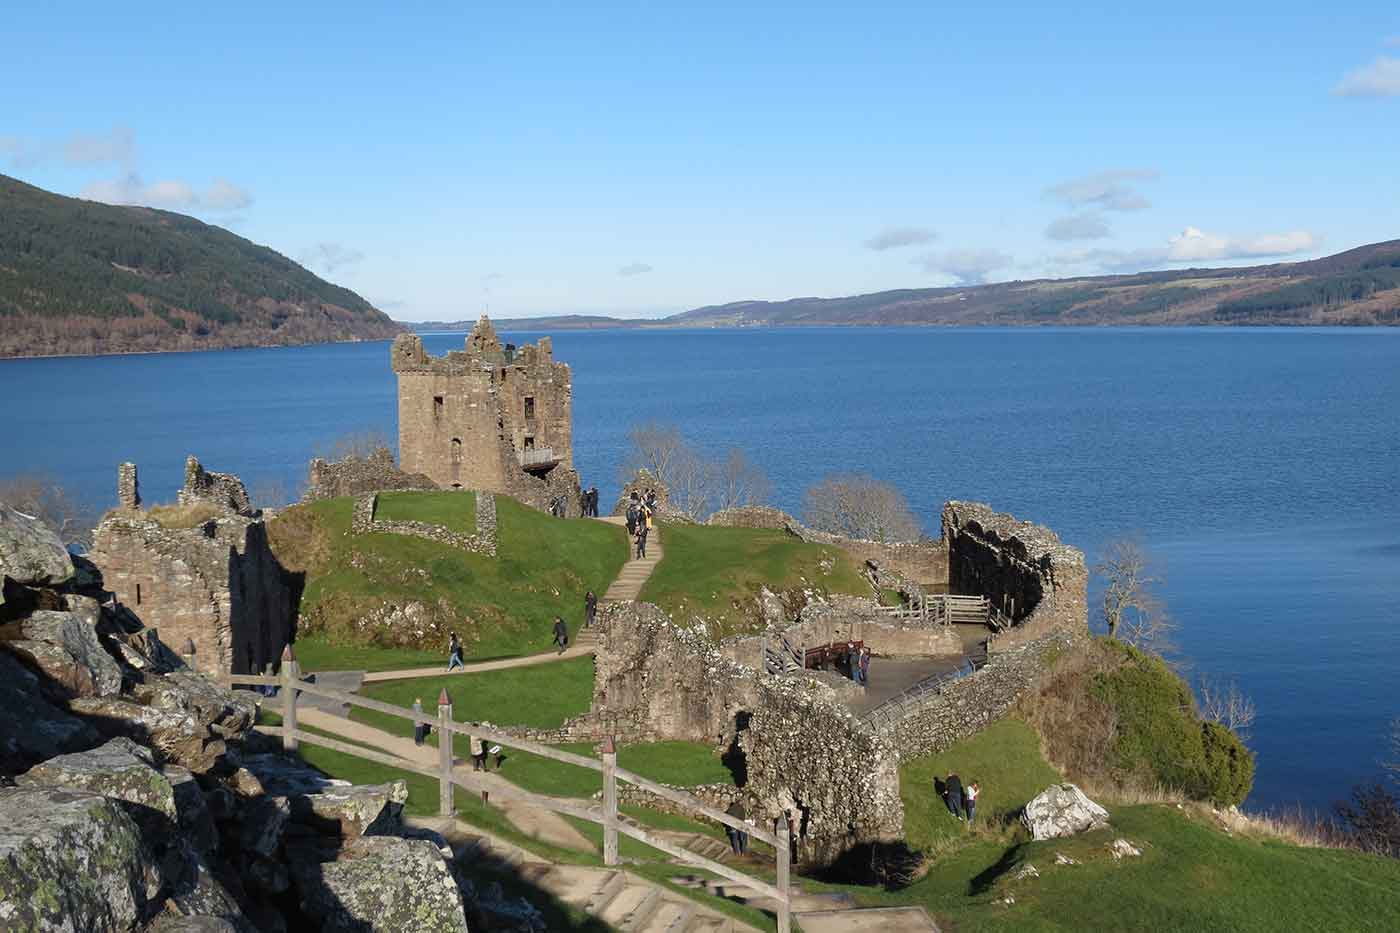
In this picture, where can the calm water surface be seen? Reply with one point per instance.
(1259, 465)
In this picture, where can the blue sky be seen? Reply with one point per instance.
(642, 159)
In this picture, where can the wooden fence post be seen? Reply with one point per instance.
(783, 830)
(445, 736)
(609, 801)
(289, 699)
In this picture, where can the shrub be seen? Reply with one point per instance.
(1227, 770)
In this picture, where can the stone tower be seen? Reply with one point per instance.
(488, 417)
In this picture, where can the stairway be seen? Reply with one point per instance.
(628, 585)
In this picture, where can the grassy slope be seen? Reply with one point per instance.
(716, 572)
(449, 509)
(1191, 877)
(502, 607)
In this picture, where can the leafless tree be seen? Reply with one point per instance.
(1226, 704)
(859, 506)
(656, 448)
(1393, 763)
(40, 495)
(270, 493)
(739, 482)
(1131, 609)
(354, 444)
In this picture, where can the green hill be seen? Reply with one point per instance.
(79, 277)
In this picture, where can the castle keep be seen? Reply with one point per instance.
(489, 417)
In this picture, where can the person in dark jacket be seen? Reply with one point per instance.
(420, 730)
(632, 513)
(590, 609)
(955, 794)
(642, 540)
(738, 839)
(561, 634)
(454, 653)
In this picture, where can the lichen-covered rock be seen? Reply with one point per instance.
(350, 812)
(228, 713)
(1062, 810)
(262, 823)
(69, 861)
(194, 816)
(31, 728)
(383, 884)
(96, 673)
(29, 552)
(203, 899)
(120, 769)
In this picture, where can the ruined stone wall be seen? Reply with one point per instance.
(801, 748)
(363, 522)
(644, 480)
(217, 585)
(964, 707)
(751, 516)
(222, 490)
(1030, 576)
(924, 562)
(475, 418)
(851, 618)
(356, 476)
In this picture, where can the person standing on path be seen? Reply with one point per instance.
(590, 608)
(642, 542)
(454, 653)
(738, 839)
(561, 634)
(420, 730)
(633, 512)
(865, 667)
(955, 794)
(970, 798)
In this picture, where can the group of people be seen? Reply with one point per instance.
(589, 502)
(960, 798)
(858, 663)
(641, 514)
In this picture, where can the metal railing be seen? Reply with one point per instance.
(291, 685)
(537, 456)
(897, 705)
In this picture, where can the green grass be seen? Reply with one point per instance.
(501, 607)
(683, 764)
(453, 510)
(716, 573)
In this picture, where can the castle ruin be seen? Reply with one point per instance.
(489, 417)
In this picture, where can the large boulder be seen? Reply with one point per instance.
(120, 769)
(1062, 810)
(383, 883)
(351, 812)
(30, 553)
(69, 860)
(31, 728)
(65, 646)
(194, 816)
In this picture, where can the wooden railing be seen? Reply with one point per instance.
(944, 609)
(291, 685)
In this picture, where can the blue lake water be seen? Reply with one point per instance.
(1260, 465)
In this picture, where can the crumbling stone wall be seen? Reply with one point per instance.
(356, 476)
(640, 484)
(751, 516)
(851, 618)
(924, 562)
(216, 586)
(488, 417)
(1033, 579)
(363, 522)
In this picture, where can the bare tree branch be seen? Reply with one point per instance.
(739, 482)
(354, 444)
(1226, 704)
(695, 485)
(40, 495)
(858, 506)
(1131, 610)
(1393, 763)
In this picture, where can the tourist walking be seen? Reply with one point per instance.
(454, 653)
(865, 667)
(593, 501)
(955, 794)
(561, 634)
(633, 511)
(478, 750)
(420, 730)
(970, 799)
(642, 542)
(590, 608)
(738, 839)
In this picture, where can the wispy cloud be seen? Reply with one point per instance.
(635, 268)
(1192, 245)
(1078, 227)
(329, 257)
(895, 237)
(966, 266)
(171, 194)
(116, 145)
(1381, 78)
(1113, 190)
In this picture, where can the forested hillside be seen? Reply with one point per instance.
(83, 277)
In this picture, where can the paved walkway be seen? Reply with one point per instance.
(584, 642)
(628, 585)
(890, 677)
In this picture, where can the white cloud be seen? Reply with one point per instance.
(1381, 78)
(635, 268)
(1078, 227)
(967, 266)
(170, 194)
(118, 145)
(328, 257)
(1192, 245)
(1113, 190)
(894, 237)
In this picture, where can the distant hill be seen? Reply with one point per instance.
(554, 322)
(79, 277)
(1361, 286)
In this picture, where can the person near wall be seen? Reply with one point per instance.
(738, 839)
(955, 794)
(970, 800)
(454, 653)
(633, 511)
(865, 667)
(561, 634)
(478, 750)
(420, 730)
(590, 608)
(642, 540)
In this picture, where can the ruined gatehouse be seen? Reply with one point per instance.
(488, 417)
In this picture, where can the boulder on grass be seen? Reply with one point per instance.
(69, 860)
(382, 884)
(1062, 810)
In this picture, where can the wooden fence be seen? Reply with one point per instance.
(291, 685)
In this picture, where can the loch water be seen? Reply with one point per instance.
(1261, 466)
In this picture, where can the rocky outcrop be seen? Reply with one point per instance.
(32, 728)
(65, 647)
(1062, 810)
(120, 769)
(30, 554)
(383, 884)
(356, 476)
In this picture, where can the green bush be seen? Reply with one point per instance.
(1228, 770)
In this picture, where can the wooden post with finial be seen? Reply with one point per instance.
(445, 808)
(289, 699)
(609, 801)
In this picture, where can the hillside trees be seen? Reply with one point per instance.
(857, 506)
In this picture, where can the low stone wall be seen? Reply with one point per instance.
(925, 561)
(751, 516)
(965, 707)
(1031, 577)
(850, 618)
(363, 521)
(357, 476)
(719, 796)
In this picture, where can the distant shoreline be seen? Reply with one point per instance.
(241, 346)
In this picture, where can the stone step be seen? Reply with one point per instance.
(672, 916)
(641, 915)
(632, 900)
(603, 897)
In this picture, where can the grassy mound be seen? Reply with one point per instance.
(716, 573)
(400, 592)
